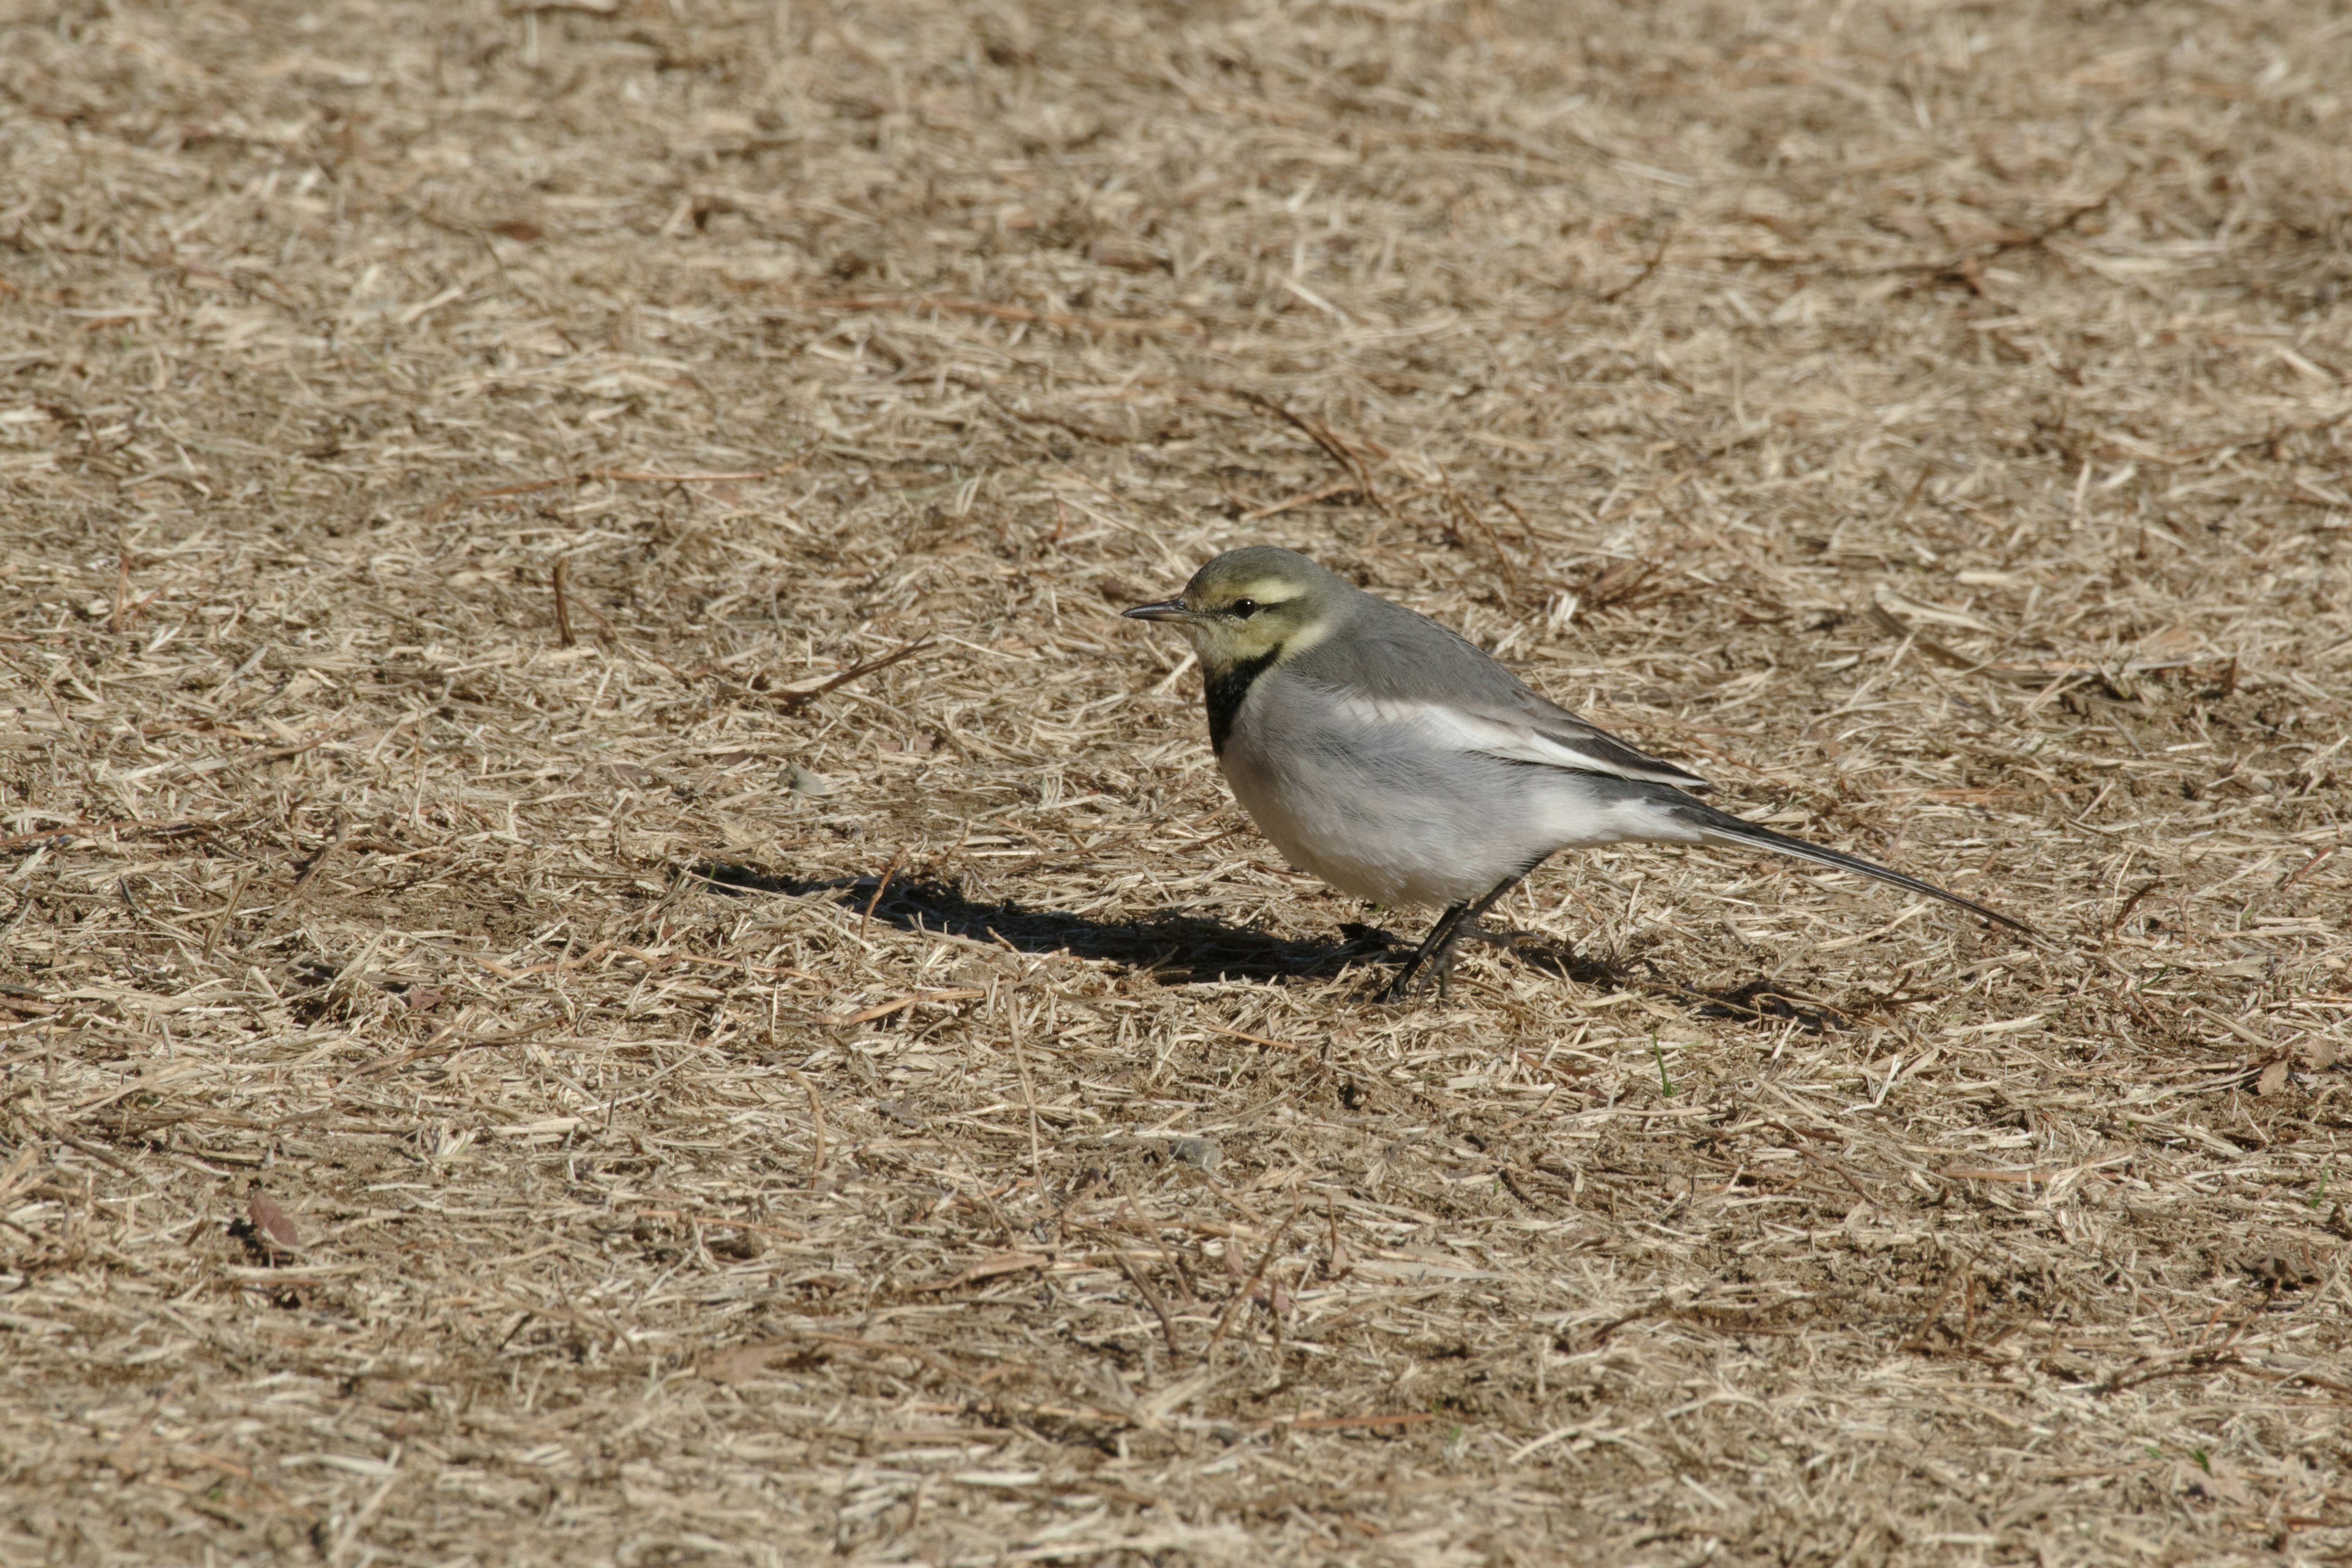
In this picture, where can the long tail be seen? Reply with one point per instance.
(1722, 827)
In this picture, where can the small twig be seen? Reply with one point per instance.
(881, 888)
(114, 622)
(24, 903)
(1648, 268)
(1241, 1297)
(440, 1045)
(2269, 438)
(2132, 903)
(2236, 1028)
(816, 1120)
(2203, 1359)
(1969, 268)
(2308, 867)
(1531, 530)
(1150, 1299)
(58, 835)
(629, 475)
(1838, 1170)
(897, 1004)
(1142, 1226)
(1918, 1336)
(562, 601)
(1322, 435)
(1141, 326)
(1306, 497)
(103, 1155)
(1469, 514)
(1663, 1306)
(1256, 1039)
(794, 699)
(1340, 1423)
(1028, 1095)
(139, 914)
(310, 869)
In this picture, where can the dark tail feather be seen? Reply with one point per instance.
(1726, 829)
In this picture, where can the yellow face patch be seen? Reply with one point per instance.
(1238, 623)
(1241, 599)
(1252, 606)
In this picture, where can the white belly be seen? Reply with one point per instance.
(1385, 862)
(1390, 813)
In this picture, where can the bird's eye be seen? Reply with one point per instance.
(1243, 609)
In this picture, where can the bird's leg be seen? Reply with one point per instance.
(1445, 939)
(1440, 939)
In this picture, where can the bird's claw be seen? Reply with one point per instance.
(1407, 982)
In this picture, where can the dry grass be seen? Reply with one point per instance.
(465, 1101)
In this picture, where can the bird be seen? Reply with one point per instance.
(1396, 759)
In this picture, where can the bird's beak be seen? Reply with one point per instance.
(1165, 610)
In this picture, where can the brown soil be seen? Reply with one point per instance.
(527, 1041)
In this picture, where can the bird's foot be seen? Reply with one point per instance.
(1445, 972)
(1440, 968)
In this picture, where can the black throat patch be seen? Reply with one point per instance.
(1224, 695)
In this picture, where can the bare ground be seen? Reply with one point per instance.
(526, 1041)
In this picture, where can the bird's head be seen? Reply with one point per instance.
(1252, 605)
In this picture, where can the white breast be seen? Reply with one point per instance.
(1369, 806)
(1308, 819)
(1393, 808)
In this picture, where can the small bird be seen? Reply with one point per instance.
(1396, 761)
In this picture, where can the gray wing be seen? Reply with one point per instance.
(1393, 666)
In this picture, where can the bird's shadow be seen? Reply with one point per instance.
(1174, 947)
(1177, 948)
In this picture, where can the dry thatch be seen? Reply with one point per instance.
(609, 955)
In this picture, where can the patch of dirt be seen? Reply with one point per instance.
(609, 953)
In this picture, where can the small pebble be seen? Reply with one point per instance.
(1201, 1152)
